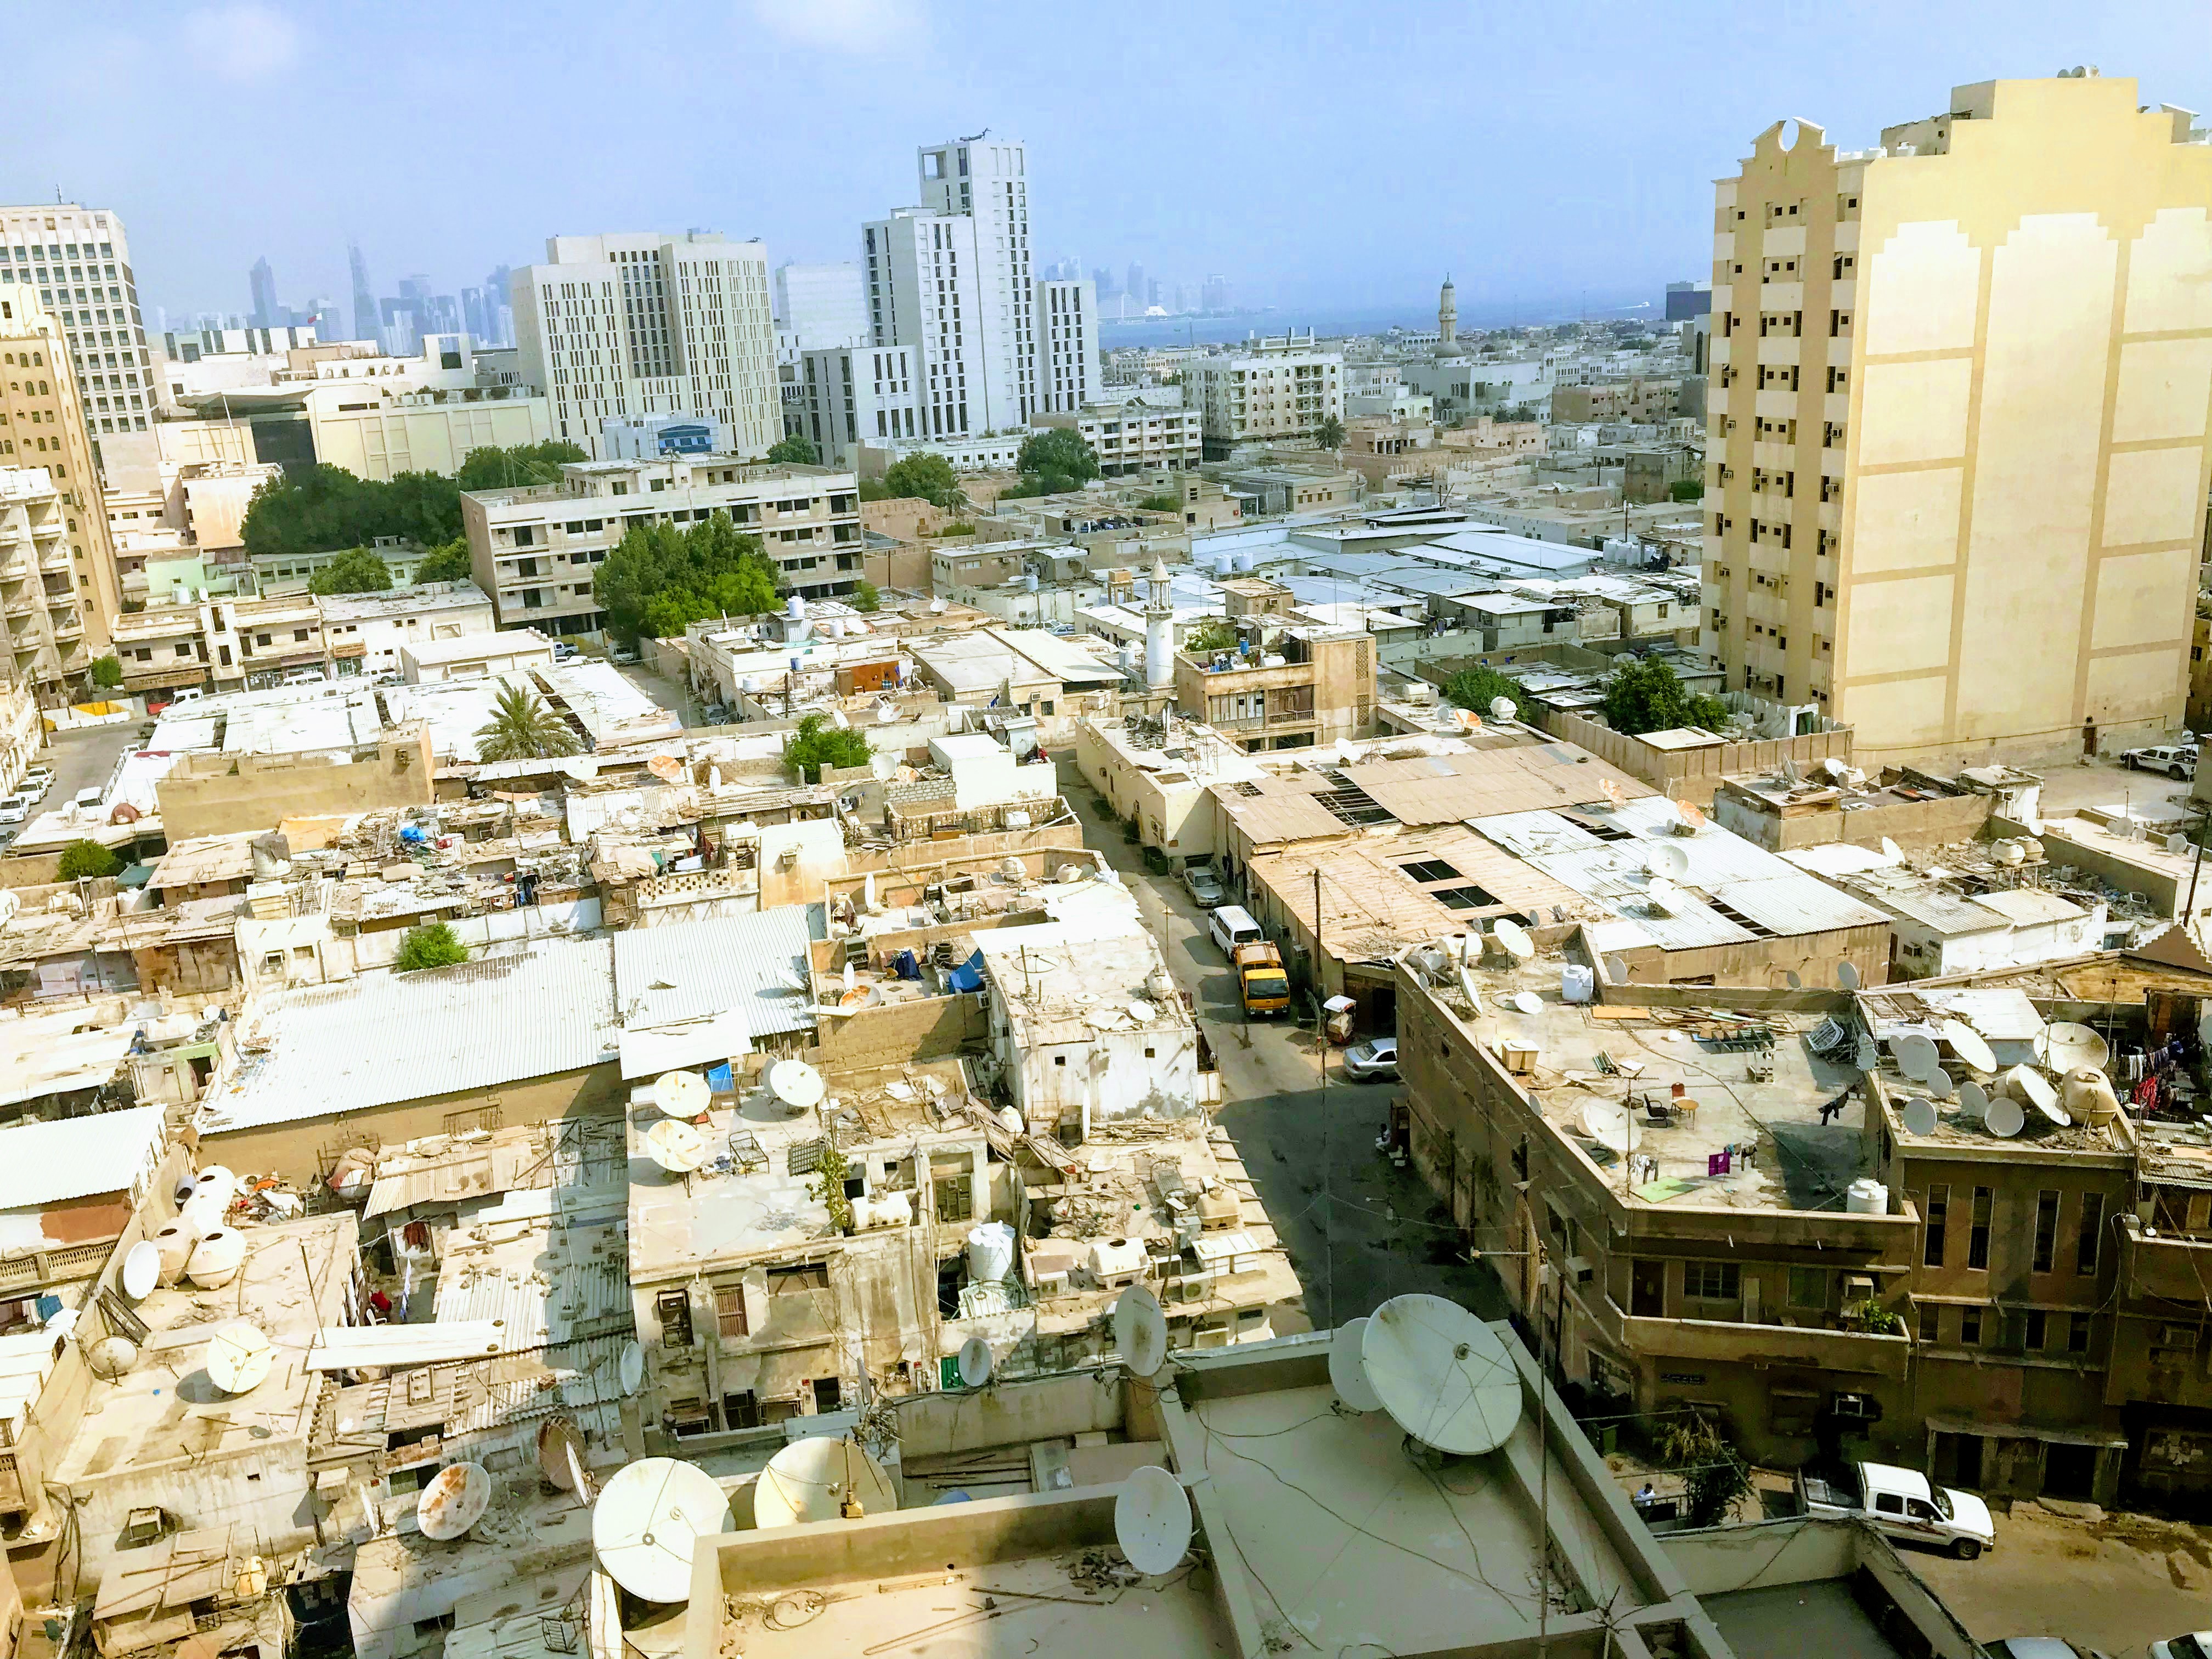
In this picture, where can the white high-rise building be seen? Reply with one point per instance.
(989, 183)
(1067, 372)
(616, 327)
(821, 306)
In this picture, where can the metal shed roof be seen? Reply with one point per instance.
(745, 966)
(76, 1156)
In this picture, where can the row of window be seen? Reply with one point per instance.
(2087, 1238)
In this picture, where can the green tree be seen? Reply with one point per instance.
(1159, 504)
(1645, 696)
(828, 1188)
(325, 510)
(1056, 459)
(522, 727)
(818, 743)
(660, 578)
(796, 450)
(106, 671)
(430, 947)
(446, 564)
(1478, 688)
(1329, 434)
(1214, 634)
(358, 570)
(875, 489)
(1686, 490)
(491, 467)
(1713, 1476)
(864, 597)
(85, 858)
(927, 476)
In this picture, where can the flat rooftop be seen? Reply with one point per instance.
(1789, 1621)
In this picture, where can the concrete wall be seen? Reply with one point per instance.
(1720, 1560)
(1691, 774)
(1908, 822)
(218, 794)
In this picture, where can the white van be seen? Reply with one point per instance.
(1232, 926)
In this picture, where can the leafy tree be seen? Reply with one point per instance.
(1329, 434)
(1478, 688)
(1686, 490)
(106, 670)
(430, 947)
(659, 578)
(1713, 1475)
(818, 743)
(522, 727)
(85, 858)
(1161, 503)
(493, 468)
(875, 489)
(325, 510)
(358, 570)
(1055, 459)
(1214, 634)
(1645, 696)
(828, 1188)
(927, 476)
(865, 597)
(447, 564)
(797, 450)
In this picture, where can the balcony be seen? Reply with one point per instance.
(1861, 1353)
(54, 558)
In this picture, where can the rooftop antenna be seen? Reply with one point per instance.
(975, 1363)
(239, 1356)
(1152, 1519)
(454, 1502)
(648, 1520)
(1140, 1332)
(1348, 1371)
(561, 1456)
(1442, 1374)
(821, 1478)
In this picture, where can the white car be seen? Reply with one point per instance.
(87, 798)
(2040, 1647)
(2175, 760)
(2196, 1645)
(14, 809)
(40, 778)
(1375, 1061)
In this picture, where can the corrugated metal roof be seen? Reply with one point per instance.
(76, 1157)
(739, 964)
(384, 1037)
(2030, 907)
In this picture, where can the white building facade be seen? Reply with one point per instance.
(1067, 372)
(1253, 396)
(821, 306)
(851, 395)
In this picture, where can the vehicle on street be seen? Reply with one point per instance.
(1205, 886)
(623, 656)
(1263, 985)
(89, 797)
(2198, 1644)
(2043, 1647)
(304, 677)
(14, 809)
(2175, 760)
(1901, 1504)
(1230, 925)
(40, 777)
(563, 652)
(1375, 1061)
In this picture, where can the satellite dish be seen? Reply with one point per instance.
(632, 1368)
(1659, 894)
(1347, 1373)
(2026, 1083)
(1442, 1374)
(1665, 859)
(111, 1356)
(1919, 1116)
(239, 1356)
(2004, 1117)
(1528, 1002)
(1847, 975)
(1152, 1519)
(811, 1479)
(1966, 1042)
(795, 1082)
(2065, 1046)
(1140, 1332)
(648, 1520)
(1513, 938)
(975, 1363)
(454, 1502)
(1693, 817)
(1794, 980)
(1616, 971)
(142, 1269)
(681, 1094)
(1892, 850)
(1608, 1123)
(1501, 709)
(561, 1454)
(1917, 1056)
(675, 1145)
(1613, 794)
(1973, 1099)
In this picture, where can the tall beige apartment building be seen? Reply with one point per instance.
(1959, 421)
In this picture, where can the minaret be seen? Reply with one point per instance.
(1159, 631)
(1447, 316)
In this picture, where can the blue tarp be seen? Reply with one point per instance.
(905, 966)
(721, 1081)
(969, 975)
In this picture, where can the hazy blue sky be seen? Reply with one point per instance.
(1317, 158)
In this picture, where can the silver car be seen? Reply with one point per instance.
(1375, 1061)
(1205, 886)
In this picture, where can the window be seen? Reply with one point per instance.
(673, 1309)
(1970, 1326)
(1937, 1210)
(2038, 1329)
(2077, 1333)
(1888, 1502)
(1977, 1237)
(1711, 1281)
(1808, 1287)
(729, 1311)
(2046, 1229)
(802, 1276)
(1931, 1324)
(2092, 1234)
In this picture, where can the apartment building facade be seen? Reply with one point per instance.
(1067, 371)
(535, 550)
(40, 605)
(986, 182)
(1313, 685)
(618, 326)
(1961, 510)
(1252, 396)
(1635, 399)
(220, 645)
(846, 396)
(1132, 437)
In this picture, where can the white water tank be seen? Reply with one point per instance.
(216, 1259)
(795, 607)
(1577, 983)
(1866, 1196)
(1224, 564)
(1030, 582)
(1247, 563)
(991, 1252)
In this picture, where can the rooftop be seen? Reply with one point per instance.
(71, 1157)
(422, 600)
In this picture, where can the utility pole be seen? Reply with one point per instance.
(1320, 1049)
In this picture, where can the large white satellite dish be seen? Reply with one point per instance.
(795, 1082)
(1665, 859)
(1917, 1056)
(142, 1269)
(1347, 1372)
(1140, 1331)
(1847, 975)
(454, 1502)
(1660, 896)
(648, 1520)
(1918, 1116)
(2004, 1117)
(1513, 938)
(975, 1363)
(810, 1479)
(1151, 1519)
(2026, 1083)
(1610, 1124)
(1528, 1002)
(675, 1145)
(1442, 1374)
(1967, 1043)
(681, 1094)
(2065, 1046)
(632, 1367)
(237, 1357)
(1973, 1099)
(1616, 971)
(111, 1356)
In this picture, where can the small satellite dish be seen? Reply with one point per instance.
(1918, 1116)
(1442, 1374)
(454, 1502)
(1608, 1123)
(648, 1520)
(1140, 1332)
(2065, 1046)
(1966, 1042)
(1501, 709)
(561, 1453)
(1693, 817)
(142, 1270)
(1794, 980)
(1660, 894)
(810, 1480)
(632, 1367)
(1616, 971)
(1151, 1519)
(975, 1363)
(795, 1082)
(1665, 859)
(111, 1356)
(675, 1145)
(1613, 794)
(1847, 975)
(1892, 850)
(239, 1356)
(1973, 1099)
(1347, 1372)
(2004, 1117)
(1917, 1056)
(2026, 1084)
(1513, 938)
(681, 1094)
(1528, 1002)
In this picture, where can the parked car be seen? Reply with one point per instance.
(40, 777)
(14, 809)
(1205, 886)
(2040, 1647)
(88, 798)
(1901, 1504)
(2196, 1645)
(563, 652)
(1230, 925)
(2175, 760)
(623, 655)
(1375, 1061)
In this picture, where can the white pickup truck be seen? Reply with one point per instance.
(1901, 1503)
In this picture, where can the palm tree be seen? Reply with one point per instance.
(521, 728)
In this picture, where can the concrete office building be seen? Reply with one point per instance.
(1067, 371)
(1251, 396)
(821, 306)
(618, 326)
(79, 260)
(1961, 511)
(988, 183)
(852, 395)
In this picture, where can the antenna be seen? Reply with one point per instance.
(1528, 1002)
(1140, 1332)
(676, 1147)
(1918, 1057)
(796, 1083)
(1616, 971)
(975, 1363)
(1892, 850)
(1660, 896)
(1966, 1042)
(2004, 1118)
(2065, 1046)
(1609, 1124)
(1847, 975)
(632, 1367)
(111, 1356)
(561, 1456)
(1347, 1372)
(142, 1270)
(1973, 1099)
(454, 1502)
(2032, 1086)
(1512, 938)
(1613, 794)
(646, 1522)
(1152, 1519)
(681, 1094)
(1693, 817)
(821, 1478)
(1663, 859)
(1919, 1116)
(1442, 1374)
(239, 1356)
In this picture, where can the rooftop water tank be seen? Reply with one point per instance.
(1866, 1197)
(991, 1252)
(795, 607)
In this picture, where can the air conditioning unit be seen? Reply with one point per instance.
(1192, 1287)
